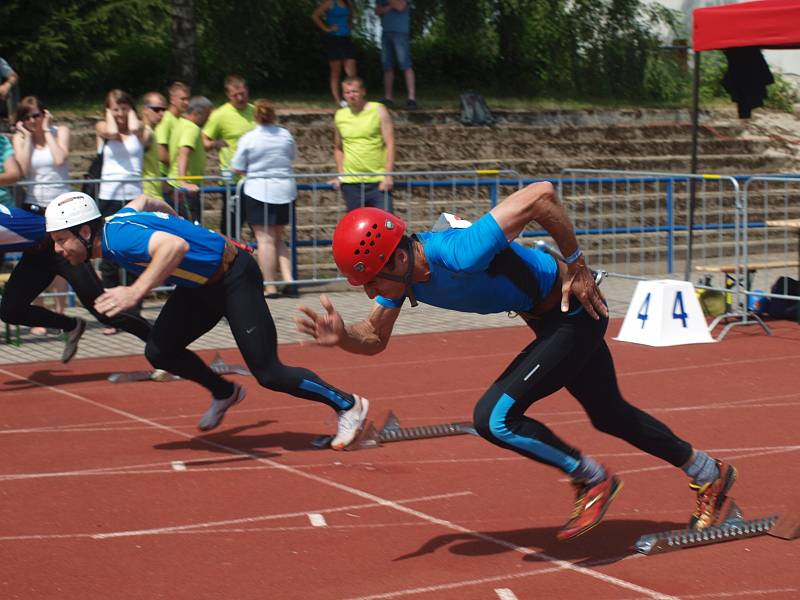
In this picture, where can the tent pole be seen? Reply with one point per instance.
(693, 182)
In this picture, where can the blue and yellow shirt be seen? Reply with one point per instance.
(127, 233)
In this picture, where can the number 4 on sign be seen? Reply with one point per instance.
(643, 309)
(679, 303)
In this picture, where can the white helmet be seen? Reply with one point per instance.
(70, 209)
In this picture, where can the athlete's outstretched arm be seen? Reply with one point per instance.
(539, 202)
(166, 253)
(369, 336)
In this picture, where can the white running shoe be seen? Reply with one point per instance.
(350, 423)
(218, 408)
(71, 340)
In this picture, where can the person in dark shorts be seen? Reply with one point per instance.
(265, 156)
(335, 18)
(480, 269)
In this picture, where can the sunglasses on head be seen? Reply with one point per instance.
(157, 108)
(33, 116)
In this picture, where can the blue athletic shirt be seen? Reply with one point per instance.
(19, 229)
(126, 235)
(459, 260)
(339, 16)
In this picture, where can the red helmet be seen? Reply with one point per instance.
(363, 241)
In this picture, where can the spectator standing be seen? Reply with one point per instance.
(8, 88)
(226, 125)
(338, 25)
(262, 154)
(179, 94)
(154, 106)
(10, 171)
(363, 143)
(42, 151)
(395, 44)
(121, 139)
(187, 158)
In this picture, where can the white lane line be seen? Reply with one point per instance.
(505, 594)
(178, 465)
(737, 593)
(209, 526)
(104, 426)
(317, 520)
(484, 580)
(622, 583)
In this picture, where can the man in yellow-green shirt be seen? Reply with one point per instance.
(187, 157)
(226, 125)
(154, 105)
(179, 94)
(363, 143)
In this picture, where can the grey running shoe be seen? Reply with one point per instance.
(218, 408)
(72, 339)
(350, 423)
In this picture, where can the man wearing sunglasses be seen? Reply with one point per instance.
(153, 107)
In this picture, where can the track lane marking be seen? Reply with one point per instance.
(622, 583)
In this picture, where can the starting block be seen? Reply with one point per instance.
(734, 527)
(219, 366)
(391, 431)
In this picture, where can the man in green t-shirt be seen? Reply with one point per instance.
(187, 157)
(154, 105)
(226, 125)
(179, 94)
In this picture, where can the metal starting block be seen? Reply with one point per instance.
(391, 431)
(734, 527)
(219, 366)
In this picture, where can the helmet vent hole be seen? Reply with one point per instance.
(374, 226)
(357, 252)
(366, 251)
(378, 235)
(362, 242)
(372, 243)
(369, 234)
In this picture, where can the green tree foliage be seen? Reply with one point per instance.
(555, 48)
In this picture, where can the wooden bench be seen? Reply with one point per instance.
(730, 273)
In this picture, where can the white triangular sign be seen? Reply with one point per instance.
(664, 312)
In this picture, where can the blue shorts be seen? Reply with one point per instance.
(395, 44)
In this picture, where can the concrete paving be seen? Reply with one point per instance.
(353, 306)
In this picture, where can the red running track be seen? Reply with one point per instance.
(108, 491)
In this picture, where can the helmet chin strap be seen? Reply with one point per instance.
(405, 278)
(88, 244)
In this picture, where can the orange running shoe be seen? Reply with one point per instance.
(711, 496)
(591, 504)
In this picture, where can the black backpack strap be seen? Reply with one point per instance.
(509, 264)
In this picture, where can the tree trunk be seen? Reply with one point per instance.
(184, 37)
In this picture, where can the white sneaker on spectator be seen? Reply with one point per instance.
(350, 423)
(218, 408)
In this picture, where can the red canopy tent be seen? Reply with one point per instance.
(762, 24)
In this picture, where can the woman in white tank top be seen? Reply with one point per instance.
(122, 139)
(42, 151)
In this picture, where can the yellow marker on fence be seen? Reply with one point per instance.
(487, 171)
(707, 176)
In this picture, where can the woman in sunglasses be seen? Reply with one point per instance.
(42, 150)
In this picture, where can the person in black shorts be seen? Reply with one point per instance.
(338, 25)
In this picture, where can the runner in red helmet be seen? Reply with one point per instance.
(480, 269)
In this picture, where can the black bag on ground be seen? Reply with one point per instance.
(474, 110)
(780, 308)
(95, 171)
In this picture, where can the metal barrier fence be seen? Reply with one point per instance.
(633, 224)
(417, 196)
